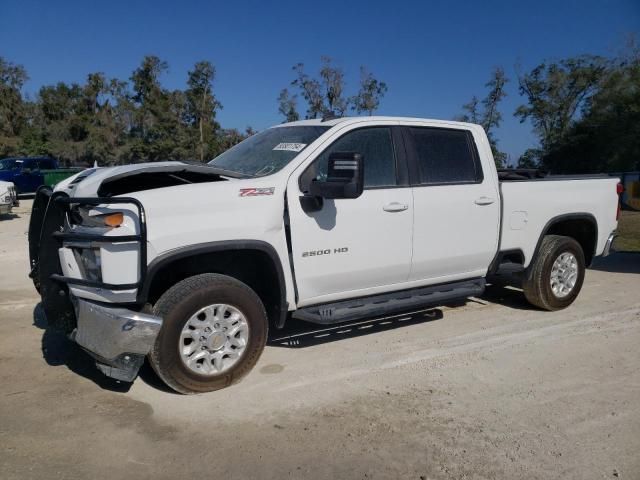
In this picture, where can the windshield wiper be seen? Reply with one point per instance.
(231, 173)
(228, 173)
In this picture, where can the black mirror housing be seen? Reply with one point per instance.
(345, 177)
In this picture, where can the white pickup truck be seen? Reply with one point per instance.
(324, 221)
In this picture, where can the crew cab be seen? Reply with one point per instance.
(323, 221)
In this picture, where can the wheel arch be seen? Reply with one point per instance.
(582, 227)
(253, 262)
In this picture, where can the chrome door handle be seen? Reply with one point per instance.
(484, 201)
(395, 207)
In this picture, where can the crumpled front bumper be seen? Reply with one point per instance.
(116, 337)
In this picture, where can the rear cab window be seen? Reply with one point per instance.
(444, 156)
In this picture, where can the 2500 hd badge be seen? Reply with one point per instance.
(328, 251)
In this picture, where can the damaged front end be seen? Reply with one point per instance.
(65, 250)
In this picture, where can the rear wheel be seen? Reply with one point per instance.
(213, 332)
(555, 276)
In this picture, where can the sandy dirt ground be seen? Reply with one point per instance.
(492, 389)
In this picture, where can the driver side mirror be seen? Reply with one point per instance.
(345, 177)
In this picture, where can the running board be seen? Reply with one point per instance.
(388, 303)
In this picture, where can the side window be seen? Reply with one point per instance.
(45, 164)
(29, 164)
(374, 144)
(445, 156)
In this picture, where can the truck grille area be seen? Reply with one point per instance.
(51, 217)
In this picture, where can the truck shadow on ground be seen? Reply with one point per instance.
(58, 350)
(618, 262)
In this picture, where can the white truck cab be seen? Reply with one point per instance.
(323, 221)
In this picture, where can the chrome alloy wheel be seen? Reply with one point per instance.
(564, 274)
(214, 339)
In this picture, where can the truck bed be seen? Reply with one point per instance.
(529, 205)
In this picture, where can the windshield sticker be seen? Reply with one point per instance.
(256, 192)
(290, 147)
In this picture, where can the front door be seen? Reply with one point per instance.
(353, 247)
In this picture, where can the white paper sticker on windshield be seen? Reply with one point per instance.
(290, 147)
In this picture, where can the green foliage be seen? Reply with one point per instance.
(287, 106)
(367, 100)
(333, 83)
(12, 108)
(326, 94)
(112, 121)
(607, 136)
(530, 158)
(201, 107)
(555, 92)
(486, 112)
(586, 112)
(311, 91)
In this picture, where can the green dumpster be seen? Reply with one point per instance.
(51, 177)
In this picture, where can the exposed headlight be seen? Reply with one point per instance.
(90, 263)
(90, 218)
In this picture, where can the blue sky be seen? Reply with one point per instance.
(434, 55)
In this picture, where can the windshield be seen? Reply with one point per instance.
(267, 152)
(9, 164)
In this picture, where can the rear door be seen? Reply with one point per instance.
(456, 205)
(353, 247)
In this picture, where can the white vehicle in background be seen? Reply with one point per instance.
(324, 221)
(8, 197)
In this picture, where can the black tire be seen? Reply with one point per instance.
(183, 300)
(537, 278)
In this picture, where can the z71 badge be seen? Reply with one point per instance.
(256, 192)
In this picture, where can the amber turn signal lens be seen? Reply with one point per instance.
(113, 219)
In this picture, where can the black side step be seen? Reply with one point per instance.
(387, 303)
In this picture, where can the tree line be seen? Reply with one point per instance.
(114, 121)
(326, 94)
(585, 111)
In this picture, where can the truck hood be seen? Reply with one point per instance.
(126, 179)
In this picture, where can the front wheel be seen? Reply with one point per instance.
(213, 331)
(555, 276)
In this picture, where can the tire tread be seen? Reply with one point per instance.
(536, 276)
(177, 294)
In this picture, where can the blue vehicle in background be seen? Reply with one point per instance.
(29, 173)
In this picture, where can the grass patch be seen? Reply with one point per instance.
(628, 232)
